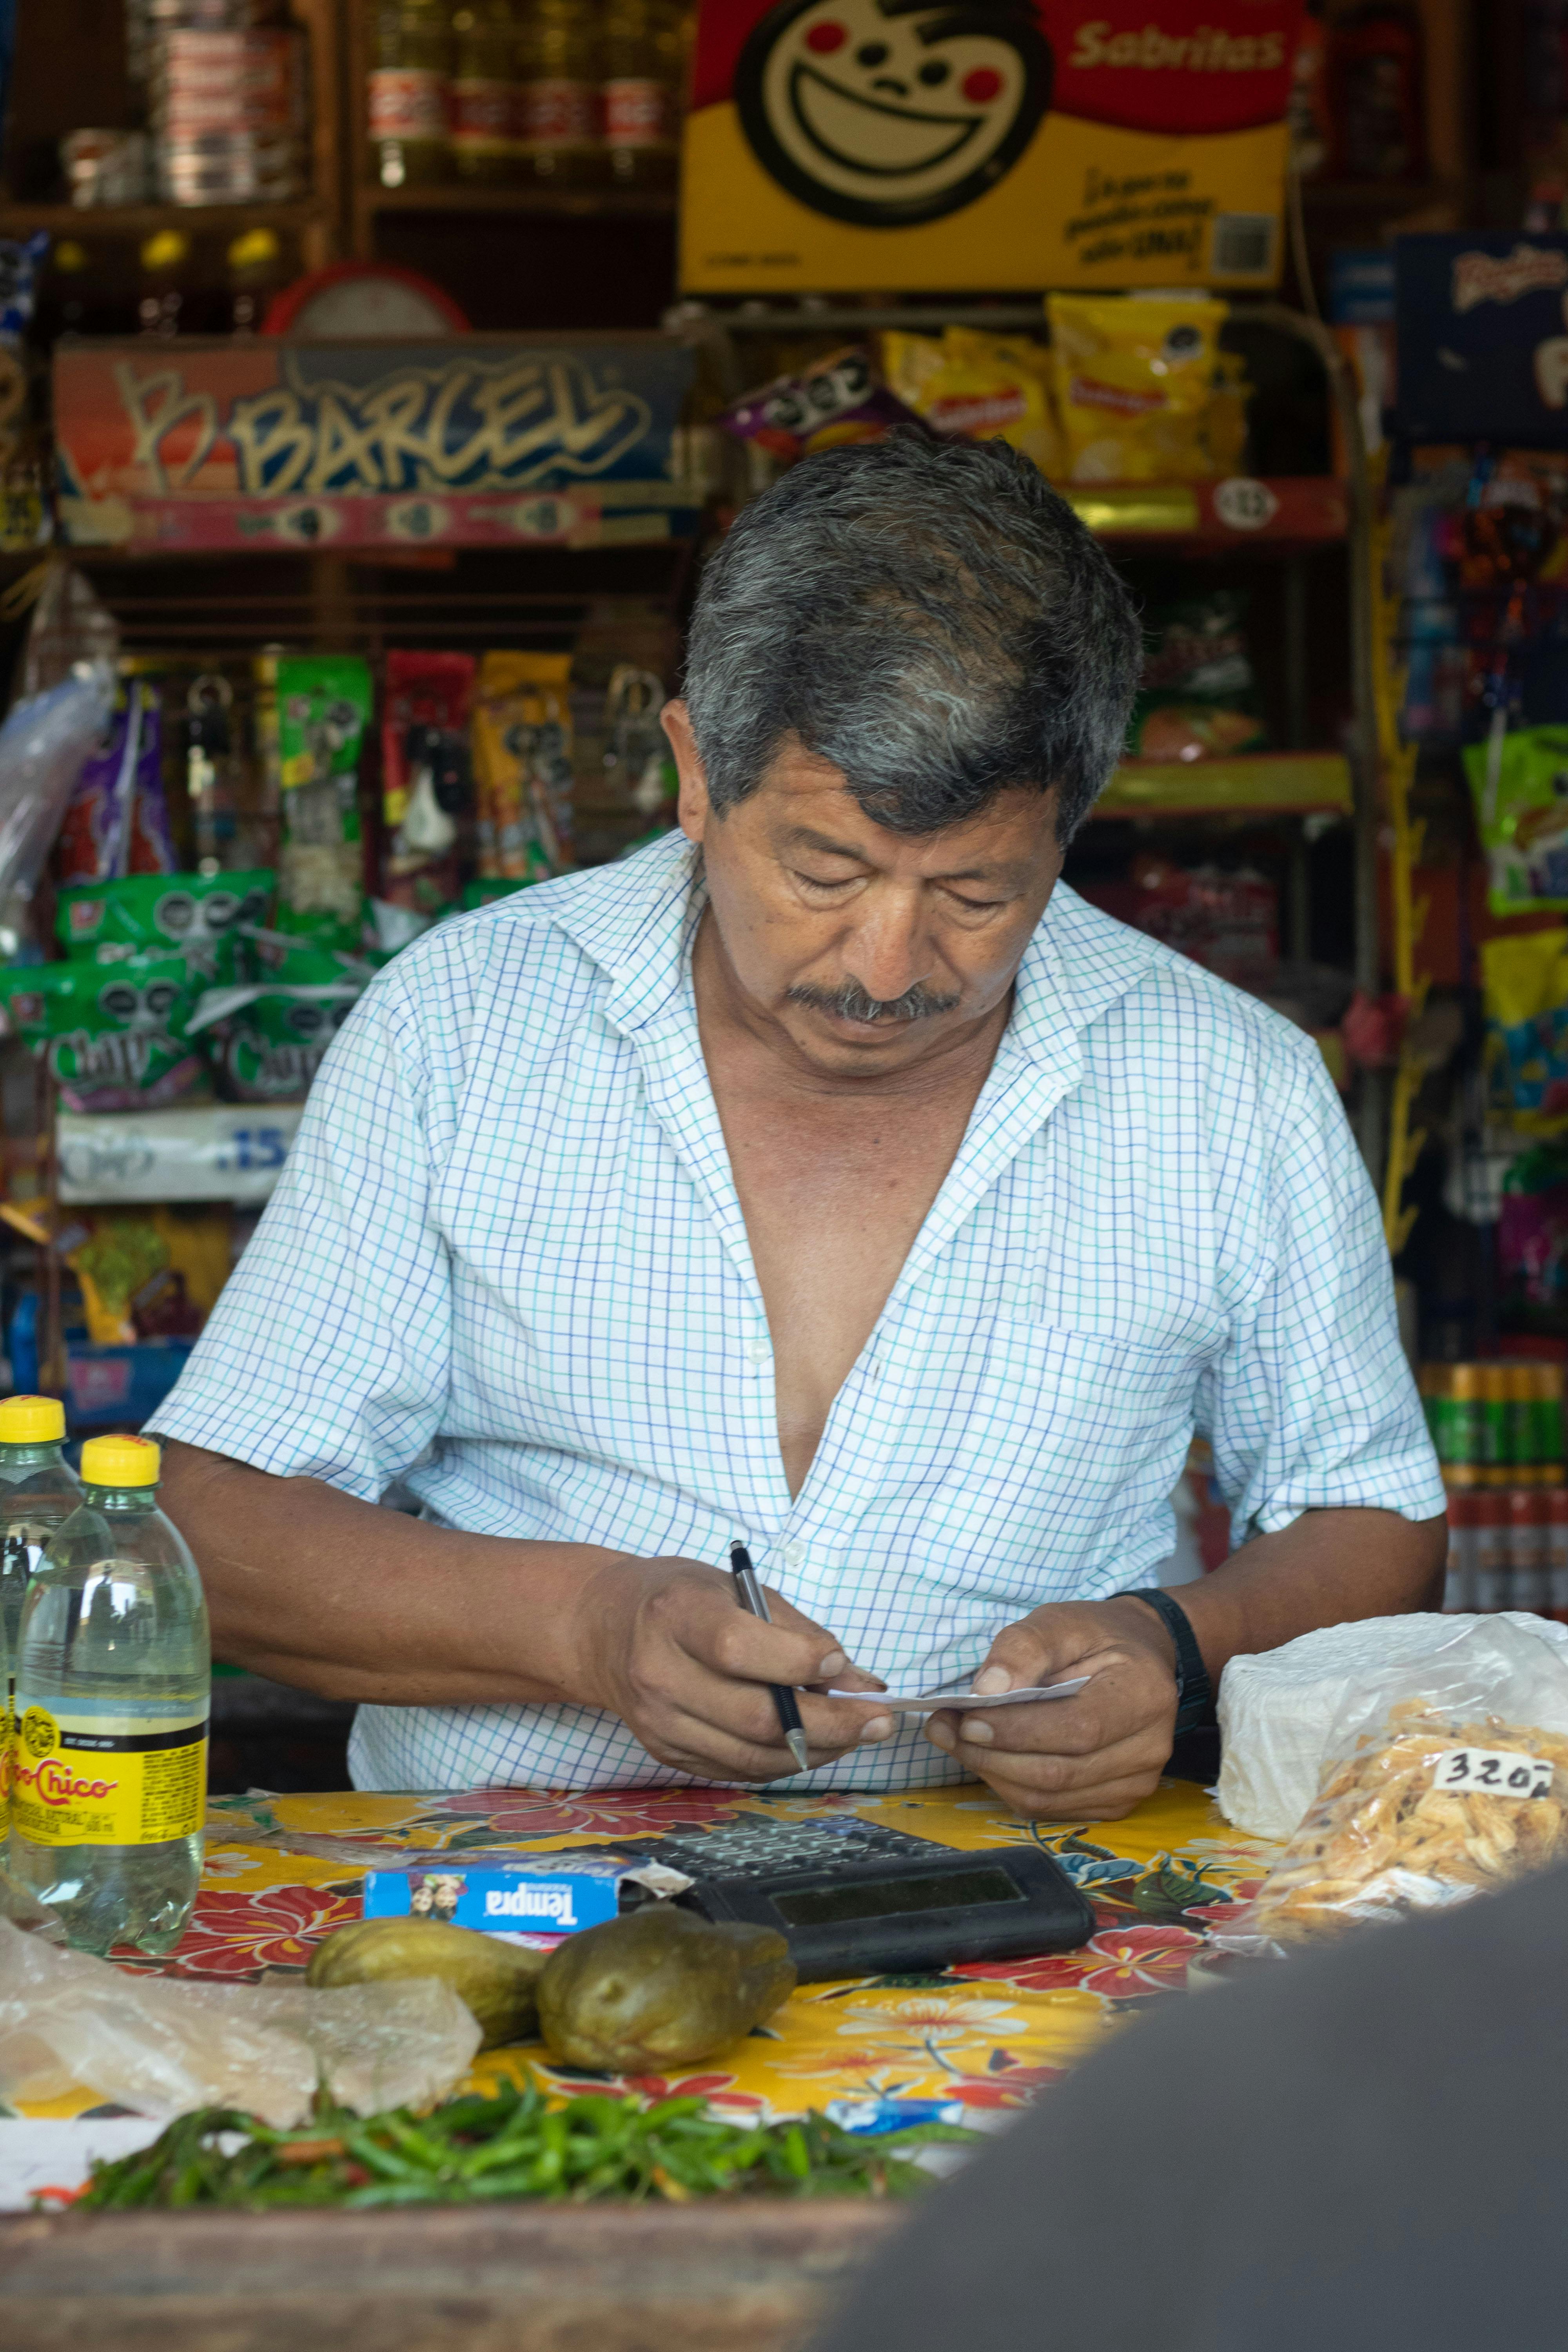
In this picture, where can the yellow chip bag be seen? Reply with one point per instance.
(978, 387)
(1136, 379)
(522, 765)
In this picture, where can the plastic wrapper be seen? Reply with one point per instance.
(1143, 392)
(116, 1035)
(978, 387)
(835, 400)
(1446, 1778)
(117, 820)
(1519, 785)
(324, 704)
(204, 916)
(426, 778)
(265, 1040)
(522, 764)
(166, 2046)
(43, 743)
(1198, 698)
(1524, 991)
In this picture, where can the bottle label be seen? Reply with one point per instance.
(559, 113)
(481, 117)
(637, 114)
(407, 104)
(106, 1780)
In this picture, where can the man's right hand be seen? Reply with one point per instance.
(665, 1647)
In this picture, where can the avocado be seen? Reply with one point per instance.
(659, 1988)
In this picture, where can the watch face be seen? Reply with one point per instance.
(884, 113)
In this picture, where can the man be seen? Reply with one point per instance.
(829, 1178)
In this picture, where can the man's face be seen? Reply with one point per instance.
(871, 951)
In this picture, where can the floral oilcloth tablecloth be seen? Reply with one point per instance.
(281, 1872)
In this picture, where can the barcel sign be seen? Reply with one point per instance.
(836, 144)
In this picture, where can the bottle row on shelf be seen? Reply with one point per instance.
(1507, 1549)
(1495, 1424)
(556, 93)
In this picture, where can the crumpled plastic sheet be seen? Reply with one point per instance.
(166, 2045)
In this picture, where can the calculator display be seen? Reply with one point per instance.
(822, 1906)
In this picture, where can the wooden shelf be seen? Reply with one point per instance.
(1294, 510)
(146, 220)
(549, 204)
(1267, 783)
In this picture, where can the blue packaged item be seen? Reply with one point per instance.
(545, 1896)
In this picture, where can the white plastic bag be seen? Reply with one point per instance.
(1278, 1708)
(43, 743)
(1446, 1778)
(166, 2045)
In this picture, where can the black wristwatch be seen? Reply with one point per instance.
(1194, 1692)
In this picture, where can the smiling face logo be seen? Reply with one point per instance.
(885, 113)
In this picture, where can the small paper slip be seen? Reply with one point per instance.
(929, 1702)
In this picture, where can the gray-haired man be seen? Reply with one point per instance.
(828, 1177)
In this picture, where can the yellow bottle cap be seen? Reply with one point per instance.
(32, 1421)
(119, 1462)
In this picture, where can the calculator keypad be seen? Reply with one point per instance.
(740, 1851)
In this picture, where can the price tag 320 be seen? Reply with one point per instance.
(1493, 1772)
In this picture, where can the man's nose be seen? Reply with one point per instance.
(891, 951)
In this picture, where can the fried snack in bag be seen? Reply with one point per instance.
(1524, 995)
(1136, 379)
(324, 704)
(977, 387)
(1450, 1777)
(838, 399)
(425, 781)
(114, 1034)
(1198, 696)
(204, 916)
(522, 765)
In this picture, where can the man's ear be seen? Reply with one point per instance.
(694, 813)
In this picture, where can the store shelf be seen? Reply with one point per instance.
(197, 1151)
(1296, 510)
(1274, 783)
(552, 204)
(145, 220)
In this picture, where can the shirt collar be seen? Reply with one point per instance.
(635, 920)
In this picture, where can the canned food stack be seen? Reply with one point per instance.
(228, 110)
(1498, 1430)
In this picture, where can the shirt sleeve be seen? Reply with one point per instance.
(1312, 1406)
(328, 1355)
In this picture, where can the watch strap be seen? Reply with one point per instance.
(1194, 1692)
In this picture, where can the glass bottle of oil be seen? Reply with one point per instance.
(409, 93)
(113, 1670)
(484, 38)
(640, 58)
(559, 141)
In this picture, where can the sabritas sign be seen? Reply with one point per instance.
(833, 145)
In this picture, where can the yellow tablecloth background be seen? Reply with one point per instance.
(986, 2035)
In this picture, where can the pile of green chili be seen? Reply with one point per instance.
(513, 2144)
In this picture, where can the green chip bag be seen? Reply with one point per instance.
(116, 1035)
(265, 1041)
(1519, 784)
(325, 703)
(200, 913)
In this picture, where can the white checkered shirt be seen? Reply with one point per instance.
(506, 1265)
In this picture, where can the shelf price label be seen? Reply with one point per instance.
(1493, 1772)
(1243, 504)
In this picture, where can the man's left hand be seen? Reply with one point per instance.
(1088, 1758)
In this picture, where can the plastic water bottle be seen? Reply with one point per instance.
(38, 1489)
(113, 1674)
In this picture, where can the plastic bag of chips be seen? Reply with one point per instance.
(838, 399)
(1524, 991)
(978, 387)
(1136, 379)
(1198, 698)
(117, 820)
(323, 704)
(1519, 785)
(426, 790)
(116, 1035)
(204, 916)
(265, 1041)
(522, 764)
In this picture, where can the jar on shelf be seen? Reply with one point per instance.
(409, 94)
(640, 61)
(559, 141)
(484, 45)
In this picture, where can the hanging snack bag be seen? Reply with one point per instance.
(976, 387)
(426, 778)
(117, 820)
(1519, 785)
(1198, 698)
(265, 1040)
(835, 400)
(323, 710)
(114, 1034)
(203, 915)
(1524, 988)
(1135, 376)
(522, 764)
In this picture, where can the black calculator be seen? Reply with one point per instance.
(857, 1900)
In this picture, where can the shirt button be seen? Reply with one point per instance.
(793, 1554)
(757, 1351)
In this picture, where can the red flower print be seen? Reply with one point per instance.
(1139, 1960)
(1049, 1972)
(520, 1813)
(235, 1934)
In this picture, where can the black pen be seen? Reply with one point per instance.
(750, 1594)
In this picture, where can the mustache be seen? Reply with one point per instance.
(851, 1003)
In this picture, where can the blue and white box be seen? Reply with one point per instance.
(543, 1898)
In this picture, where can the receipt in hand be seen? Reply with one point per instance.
(931, 1702)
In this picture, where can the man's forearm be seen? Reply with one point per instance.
(1325, 1568)
(337, 1596)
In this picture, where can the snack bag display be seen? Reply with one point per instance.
(149, 1274)
(1447, 1780)
(426, 776)
(522, 765)
(1524, 989)
(116, 1035)
(325, 703)
(1520, 787)
(833, 401)
(1136, 378)
(204, 916)
(265, 1041)
(118, 819)
(980, 387)
(1198, 698)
